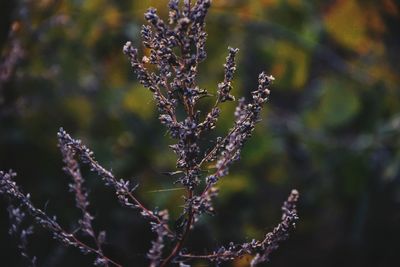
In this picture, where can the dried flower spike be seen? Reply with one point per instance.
(169, 72)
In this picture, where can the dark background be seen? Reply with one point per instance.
(331, 128)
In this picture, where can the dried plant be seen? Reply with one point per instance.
(175, 50)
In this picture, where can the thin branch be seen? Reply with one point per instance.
(123, 188)
(182, 240)
(9, 188)
(81, 198)
(263, 248)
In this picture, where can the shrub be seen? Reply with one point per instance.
(169, 72)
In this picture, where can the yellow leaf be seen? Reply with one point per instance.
(112, 17)
(293, 64)
(346, 22)
(269, 3)
(93, 5)
(243, 261)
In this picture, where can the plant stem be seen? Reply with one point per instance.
(180, 243)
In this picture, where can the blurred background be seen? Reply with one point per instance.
(331, 128)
